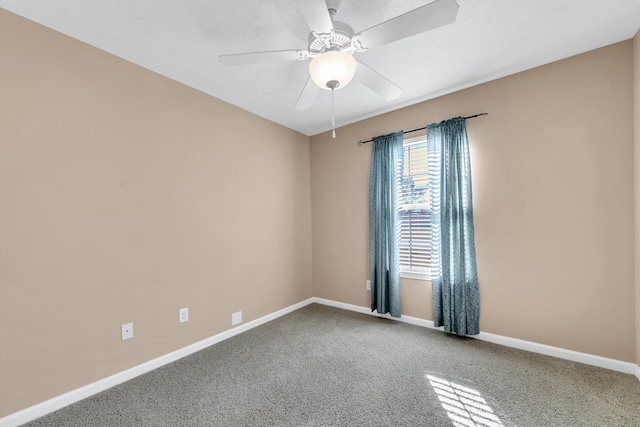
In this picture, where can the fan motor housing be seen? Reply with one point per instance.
(339, 39)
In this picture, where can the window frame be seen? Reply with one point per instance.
(408, 272)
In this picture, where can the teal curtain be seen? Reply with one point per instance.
(386, 172)
(454, 277)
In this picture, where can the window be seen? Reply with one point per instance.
(415, 215)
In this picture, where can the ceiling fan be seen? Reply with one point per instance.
(332, 44)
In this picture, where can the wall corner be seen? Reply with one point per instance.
(636, 145)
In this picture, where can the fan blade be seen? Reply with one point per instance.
(262, 57)
(317, 15)
(377, 82)
(308, 96)
(420, 20)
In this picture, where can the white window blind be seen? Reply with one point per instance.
(415, 215)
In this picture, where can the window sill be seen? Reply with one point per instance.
(414, 275)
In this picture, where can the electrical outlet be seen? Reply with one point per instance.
(236, 318)
(183, 315)
(127, 331)
(368, 285)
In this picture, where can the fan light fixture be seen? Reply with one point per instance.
(333, 69)
(331, 44)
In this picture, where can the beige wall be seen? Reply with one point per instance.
(553, 199)
(636, 117)
(126, 196)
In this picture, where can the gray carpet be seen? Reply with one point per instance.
(322, 366)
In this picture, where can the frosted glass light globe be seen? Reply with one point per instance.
(332, 70)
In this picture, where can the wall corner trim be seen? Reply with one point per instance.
(547, 350)
(66, 399)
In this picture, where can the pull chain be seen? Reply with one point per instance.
(333, 120)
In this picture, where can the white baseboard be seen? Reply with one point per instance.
(561, 353)
(366, 310)
(51, 405)
(58, 402)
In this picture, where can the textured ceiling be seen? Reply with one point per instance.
(181, 39)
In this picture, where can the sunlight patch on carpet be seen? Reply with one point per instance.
(465, 406)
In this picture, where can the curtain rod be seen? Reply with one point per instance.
(423, 128)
